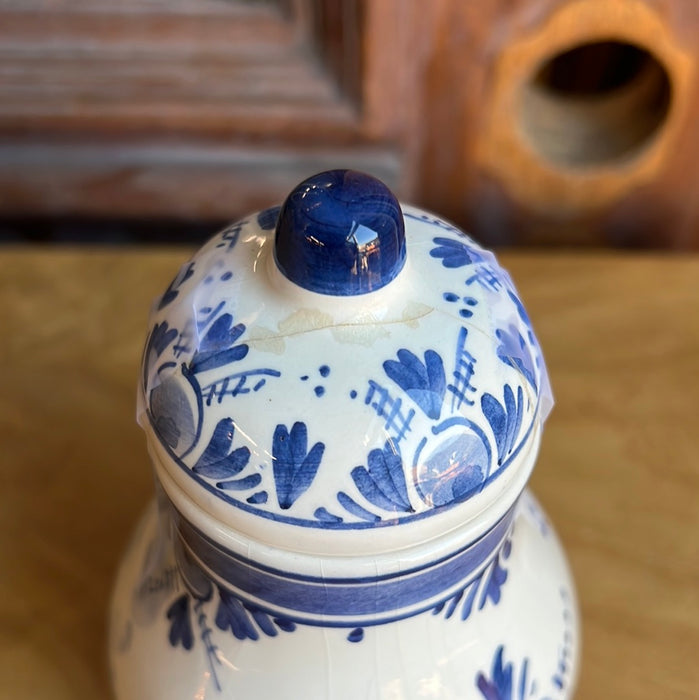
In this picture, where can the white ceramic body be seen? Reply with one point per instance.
(343, 401)
(519, 640)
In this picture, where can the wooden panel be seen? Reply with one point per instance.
(184, 109)
(166, 179)
(338, 29)
(474, 110)
(519, 158)
(399, 52)
(231, 67)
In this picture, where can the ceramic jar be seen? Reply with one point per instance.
(343, 400)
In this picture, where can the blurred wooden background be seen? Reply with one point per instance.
(556, 122)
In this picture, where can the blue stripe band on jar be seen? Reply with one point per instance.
(332, 601)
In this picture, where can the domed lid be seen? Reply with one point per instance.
(339, 365)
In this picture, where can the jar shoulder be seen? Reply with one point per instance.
(510, 627)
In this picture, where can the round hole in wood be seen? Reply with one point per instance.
(595, 104)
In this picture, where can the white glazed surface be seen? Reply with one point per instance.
(338, 476)
(418, 405)
(519, 639)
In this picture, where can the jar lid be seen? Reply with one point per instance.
(339, 365)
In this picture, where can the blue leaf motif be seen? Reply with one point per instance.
(180, 623)
(351, 506)
(294, 467)
(159, 339)
(247, 482)
(455, 253)
(520, 308)
(173, 288)
(263, 621)
(161, 336)
(488, 583)
(497, 576)
(424, 383)
(383, 483)
(232, 615)
(244, 620)
(500, 686)
(216, 462)
(325, 516)
(504, 420)
(515, 352)
(217, 348)
(285, 624)
(267, 219)
(259, 497)
(525, 318)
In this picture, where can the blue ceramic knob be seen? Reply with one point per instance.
(341, 233)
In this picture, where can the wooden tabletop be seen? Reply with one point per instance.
(618, 471)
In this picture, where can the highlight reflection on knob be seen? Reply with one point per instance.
(340, 233)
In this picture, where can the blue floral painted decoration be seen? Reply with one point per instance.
(294, 466)
(282, 602)
(397, 378)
